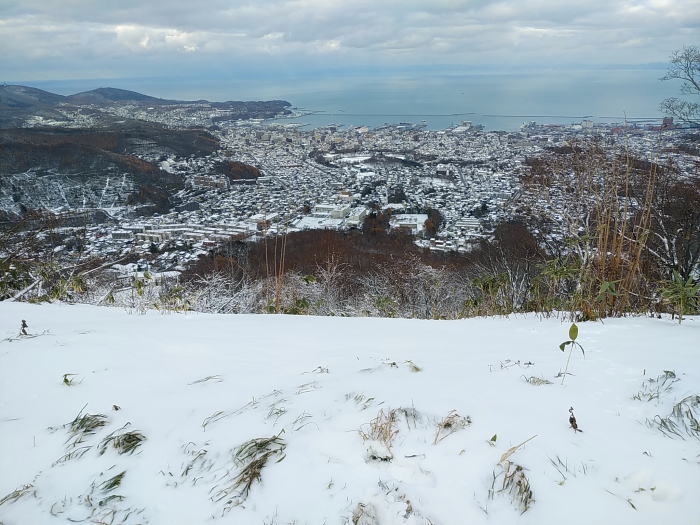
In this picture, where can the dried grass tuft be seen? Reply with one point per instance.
(515, 483)
(276, 411)
(364, 515)
(537, 381)
(413, 367)
(382, 428)
(360, 400)
(411, 415)
(452, 423)
(17, 494)
(512, 450)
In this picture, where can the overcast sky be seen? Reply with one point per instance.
(64, 39)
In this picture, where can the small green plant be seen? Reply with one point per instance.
(607, 295)
(64, 288)
(491, 299)
(683, 295)
(138, 284)
(386, 306)
(573, 334)
(173, 300)
(300, 306)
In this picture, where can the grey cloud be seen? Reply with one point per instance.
(90, 35)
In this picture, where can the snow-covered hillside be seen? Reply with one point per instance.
(362, 421)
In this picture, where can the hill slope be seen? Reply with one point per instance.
(371, 421)
(22, 105)
(15, 97)
(81, 162)
(111, 95)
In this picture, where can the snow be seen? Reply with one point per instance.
(309, 222)
(353, 159)
(317, 383)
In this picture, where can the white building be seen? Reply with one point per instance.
(412, 222)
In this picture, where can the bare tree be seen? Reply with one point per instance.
(674, 240)
(685, 66)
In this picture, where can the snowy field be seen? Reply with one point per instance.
(192, 419)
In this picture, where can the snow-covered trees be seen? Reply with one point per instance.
(684, 66)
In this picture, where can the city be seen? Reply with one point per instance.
(289, 179)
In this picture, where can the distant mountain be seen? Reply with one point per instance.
(19, 103)
(24, 97)
(109, 95)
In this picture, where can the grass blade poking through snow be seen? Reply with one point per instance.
(413, 367)
(84, 425)
(16, 494)
(259, 446)
(684, 419)
(653, 388)
(515, 482)
(68, 379)
(113, 482)
(125, 443)
(537, 381)
(75, 453)
(512, 450)
(252, 456)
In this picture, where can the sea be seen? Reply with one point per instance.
(432, 99)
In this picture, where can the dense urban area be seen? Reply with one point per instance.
(448, 188)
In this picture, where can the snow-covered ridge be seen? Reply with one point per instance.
(261, 419)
